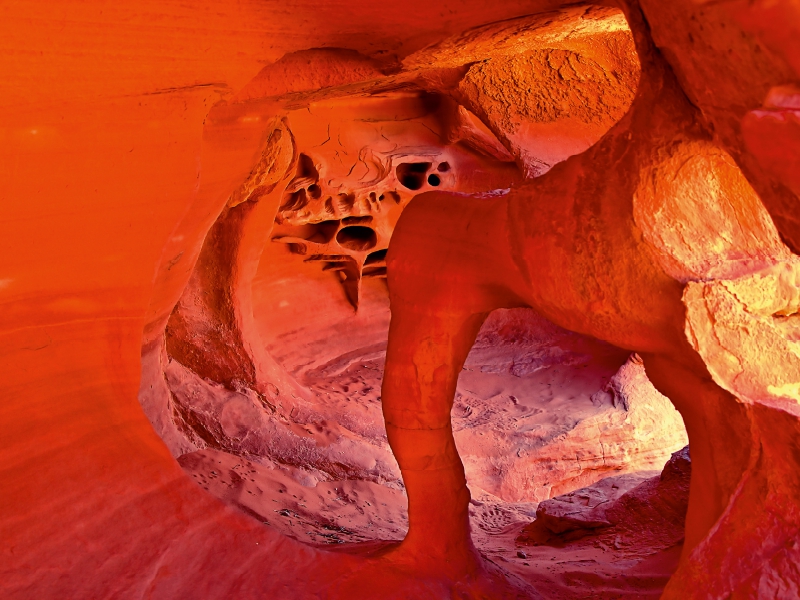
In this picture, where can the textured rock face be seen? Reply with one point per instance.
(630, 503)
(554, 432)
(756, 40)
(744, 327)
(355, 164)
(571, 88)
(539, 410)
(632, 176)
(547, 85)
(618, 538)
(360, 163)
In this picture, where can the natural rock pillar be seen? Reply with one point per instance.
(438, 306)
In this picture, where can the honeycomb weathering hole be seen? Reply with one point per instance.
(357, 237)
(375, 257)
(412, 175)
(306, 168)
(171, 175)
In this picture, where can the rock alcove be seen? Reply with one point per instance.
(273, 383)
(433, 317)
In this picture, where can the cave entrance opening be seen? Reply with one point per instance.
(274, 355)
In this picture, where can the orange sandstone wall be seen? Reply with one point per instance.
(106, 182)
(101, 120)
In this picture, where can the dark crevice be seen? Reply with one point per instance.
(412, 175)
(357, 237)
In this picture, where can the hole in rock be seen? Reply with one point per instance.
(538, 411)
(412, 175)
(357, 237)
(296, 248)
(394, 196)
(306, 168)
(317, 233)
(374, 257)
(529, 395)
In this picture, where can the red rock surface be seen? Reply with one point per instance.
(618, 538)
(630, 173)
(624, 502)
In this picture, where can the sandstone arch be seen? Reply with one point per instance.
(94, 505)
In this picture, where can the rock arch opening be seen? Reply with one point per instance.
(273, 357)
(413, 175)
(627, 175)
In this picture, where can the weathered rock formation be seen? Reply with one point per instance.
(631, 507)
(619, 538)
(587, 219)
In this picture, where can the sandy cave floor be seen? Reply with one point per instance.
(514, 399)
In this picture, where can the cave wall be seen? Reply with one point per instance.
(103, 108)
(103, 114)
